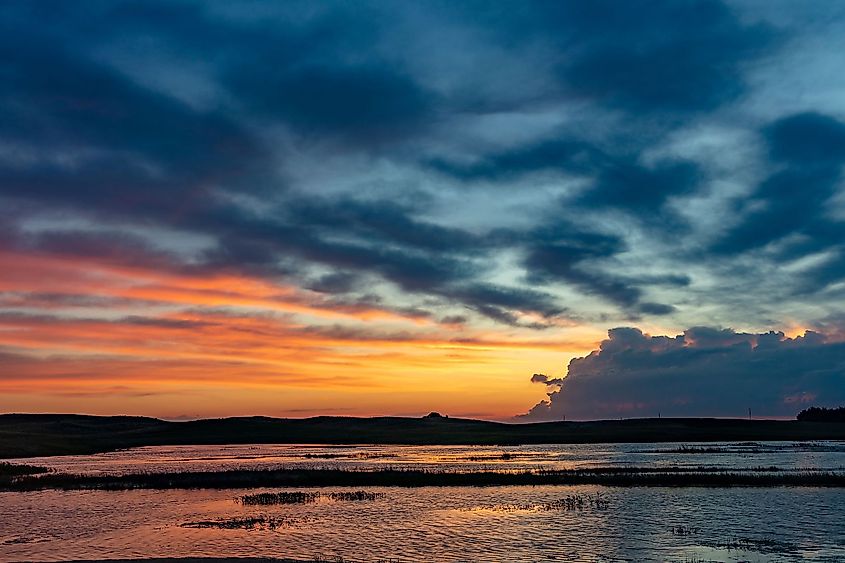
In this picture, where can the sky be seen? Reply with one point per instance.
(502, 210)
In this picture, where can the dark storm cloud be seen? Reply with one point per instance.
(310, 67)
(499, 303)
(336, 282)
(654, 56)
(792, 207)
(792, 201)
(810, 148)
(89, 137)
(808, 139)
(563, 155)
(639, 189)
(100, 107)
(620, 181)
(384, 238)
(616, 182)
(704, 371)
(564, 254)
(382, 220)
(659, 56)
(151, 158)
(410, 268)
(140, 149)
(360, 103)
(112, 247)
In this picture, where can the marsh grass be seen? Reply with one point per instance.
(334, 477)
(299, 497)
(505, 456)
(355, 455)
(684, 530)
(18, 469)
(354, 496)
(266, 499)
(320, 558)
(251, 523)
(578, 502)
(703, 450)
(759, 545)
(11, 473)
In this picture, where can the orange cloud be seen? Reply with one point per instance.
(95, 336)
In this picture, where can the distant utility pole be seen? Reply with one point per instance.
(749, 413)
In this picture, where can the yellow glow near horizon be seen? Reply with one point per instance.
(182, 346)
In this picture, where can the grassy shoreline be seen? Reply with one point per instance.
(294, 478)
(36, 435)
(197, 560)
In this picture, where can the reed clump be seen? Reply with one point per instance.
(698, 450)
(505, 456)
(354, 496)
(320, 558)
(265, 499)
(12, 473)
(576, 502)
(759, 545)
(684, 530)
(299, 497)
(18, 469)
(251, 523)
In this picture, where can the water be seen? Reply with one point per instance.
(798, 456)
(456, 524)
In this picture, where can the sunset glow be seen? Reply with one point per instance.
(110, 338)
(293, 209)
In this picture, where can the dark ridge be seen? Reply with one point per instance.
(30, 435)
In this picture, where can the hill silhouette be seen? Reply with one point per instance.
(30, 435)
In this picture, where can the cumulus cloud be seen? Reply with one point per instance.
(703, 372)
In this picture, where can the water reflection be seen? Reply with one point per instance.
(449, 524)
(822, 455)
(433, 524)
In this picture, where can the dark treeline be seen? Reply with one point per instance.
(822, 414)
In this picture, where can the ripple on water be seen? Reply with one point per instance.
(448, 524)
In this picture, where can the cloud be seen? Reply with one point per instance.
(334, 147)
(572, 156)
(811, 149)
(792, 210)
(641, 189)
(659, 57)
(703, 372)
(564, 254)
(359, 103)
(664, 56)
(807, 138)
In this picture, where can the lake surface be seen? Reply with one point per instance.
(449, 524)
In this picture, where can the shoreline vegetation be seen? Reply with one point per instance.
(317, 559)
(298, 478)
(212, 560)
(37, 435)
